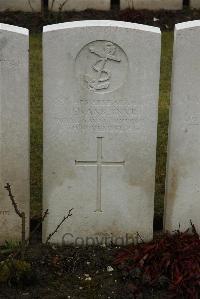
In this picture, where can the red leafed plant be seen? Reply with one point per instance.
(171, 262)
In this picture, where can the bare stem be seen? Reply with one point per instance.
(59, 225)
(21, 215)
(12, 198)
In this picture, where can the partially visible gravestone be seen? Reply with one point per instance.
(14, 129)
(78, 5)
(21, 5)
(101, 90)
(152, 4)
(182, 202)
(195, 3)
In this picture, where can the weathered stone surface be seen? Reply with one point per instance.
(152, 4)
(14, 128)
(101, 90)
(194, 3)
(21, 5)
(183, 185)
(78, 5)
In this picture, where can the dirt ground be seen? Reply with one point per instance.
(71, 273)
(68, 273)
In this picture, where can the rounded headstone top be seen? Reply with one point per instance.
(14, 29)
(101, 23)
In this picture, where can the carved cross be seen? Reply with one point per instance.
(99, 163)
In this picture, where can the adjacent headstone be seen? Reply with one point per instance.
(20, 5)
(195, 4)
(152, 4)
(182, 202)
(78, 5)
(14, 129)
(101, 89)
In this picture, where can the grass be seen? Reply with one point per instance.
(36, 122)
(163, 119)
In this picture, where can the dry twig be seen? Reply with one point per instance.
(59, 225)
(24, 241)
(21, 215)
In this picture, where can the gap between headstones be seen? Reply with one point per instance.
(115, 4)
(45, 5)
(186, 3)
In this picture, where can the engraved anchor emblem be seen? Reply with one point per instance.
(101, 79)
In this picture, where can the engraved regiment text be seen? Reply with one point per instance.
(103, 118)
(4, 213)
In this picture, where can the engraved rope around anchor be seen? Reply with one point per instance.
(102, 79)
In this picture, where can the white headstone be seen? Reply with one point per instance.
(152, 4)
(101, 90)
(78, 5)
(195, 4)
(21, 5)
(14, 128)
(182, 202)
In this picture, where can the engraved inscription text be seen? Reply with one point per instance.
(103, 118)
